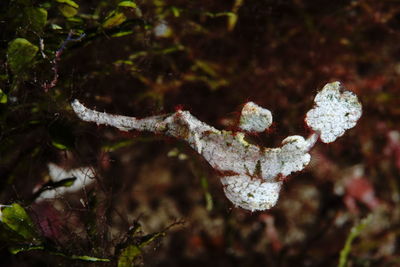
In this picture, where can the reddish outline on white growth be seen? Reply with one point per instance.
(251, 175)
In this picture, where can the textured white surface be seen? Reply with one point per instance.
(251, 175)
(254, 118)
(251, 194)
(334, 112)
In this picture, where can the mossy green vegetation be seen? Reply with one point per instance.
(20, 54)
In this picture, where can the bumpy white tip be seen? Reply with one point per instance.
(334, 112)
(254, 118)
(251, 194)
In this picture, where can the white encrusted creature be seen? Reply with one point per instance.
(251, 175)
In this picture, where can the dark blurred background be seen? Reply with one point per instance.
(209, 57)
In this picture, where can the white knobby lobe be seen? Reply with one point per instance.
(254, 118)
(334, 112)
(251, 194)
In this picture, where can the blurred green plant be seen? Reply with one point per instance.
(20, 53)
(15, 221)
(19, 232)
(131, 248)
(355, 231)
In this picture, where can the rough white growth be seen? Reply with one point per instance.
(251, 194)
(248, 171)
(334, 112)
(251, 175)
(84, 176)
(254, 118)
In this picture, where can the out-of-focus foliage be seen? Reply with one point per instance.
(15, 219)
(131, 247)
(20, 53)
(20, 234)
(355, 231)
(149, 57)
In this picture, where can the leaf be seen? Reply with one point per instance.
(68, 8)
(67, 182)
(16, 218)
(62, 136)
(114, 19)
(207, 67)
(128, 255)
(78, 257)
(36, 17)
(88, 258)
(207, 195)
(127, 4)
(59, 145)
(220, 14)
(232, 20)
(67, 11)
(55, 27)
(3, 97)
(9, 236)
(17, 249)
(117, 145)
(68, 2)
(131, 252)
(175, 11)
(122, 33)
(20, 53)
